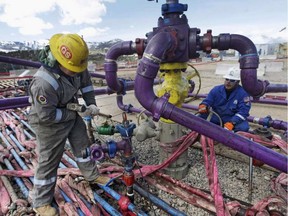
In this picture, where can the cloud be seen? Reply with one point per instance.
(77, 12)
(91, 33)
(39, 16)
(27, 21)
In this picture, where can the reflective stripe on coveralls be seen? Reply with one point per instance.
(87, 89)
(44, 182)
(240, 116)
(51, 80)
(58, 115)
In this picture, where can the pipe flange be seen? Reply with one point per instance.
(140, 46)
(159, 107)
(207, 41)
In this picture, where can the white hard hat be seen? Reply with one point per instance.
(233, 74)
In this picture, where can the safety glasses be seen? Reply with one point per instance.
(230, 80)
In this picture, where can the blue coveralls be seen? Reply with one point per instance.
(235, 109)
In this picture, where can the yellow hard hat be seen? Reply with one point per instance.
(70, 50)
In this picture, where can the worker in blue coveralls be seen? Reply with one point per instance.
(55, 85)
(230, 101)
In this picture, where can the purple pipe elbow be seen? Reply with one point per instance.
(147, 71)
(249, 62)
(129, 108)
(251, 84)
(110, 65)
(126, 108)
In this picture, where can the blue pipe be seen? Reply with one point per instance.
(89, 205)
(13, 152)
(70, 160)
(28, 134)
(18, 180)
(15, 140)
(106, 206)
(67, 199)
(117, 196)
(23, 122)
(158, 202)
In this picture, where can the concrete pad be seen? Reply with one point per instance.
(272, 66)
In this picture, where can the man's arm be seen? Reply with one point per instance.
(45, 101)
(87, 88)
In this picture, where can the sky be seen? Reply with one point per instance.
(263, 21)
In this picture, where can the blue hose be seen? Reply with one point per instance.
(23, 122)
(158, 202)
(70, 160)
(67, 199)
(18, 180)
(15, 155)
(15, 140)
(106, 206)
(117, 196)
(28, 134)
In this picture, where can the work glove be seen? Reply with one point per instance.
(91, 110)
(202, 109)
(229, 126)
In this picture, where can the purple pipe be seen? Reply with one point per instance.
(276, 124)
(19, 102)
(123, 144)
(270, 101)
(16, 102)
(97, 75)
(110, 65)
(277, 88)
(108, 90)
(19, 61)
(160, 107)
(255, 100)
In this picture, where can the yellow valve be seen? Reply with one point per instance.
(174, 83)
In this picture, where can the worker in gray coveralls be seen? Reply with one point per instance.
(56, 83)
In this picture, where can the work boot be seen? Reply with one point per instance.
(102, 180)
(46, 210)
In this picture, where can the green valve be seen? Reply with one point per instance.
(106, 130)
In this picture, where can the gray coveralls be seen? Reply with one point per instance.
(53, 124)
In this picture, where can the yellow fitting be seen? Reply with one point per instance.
(173, 66)
(175, 84)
